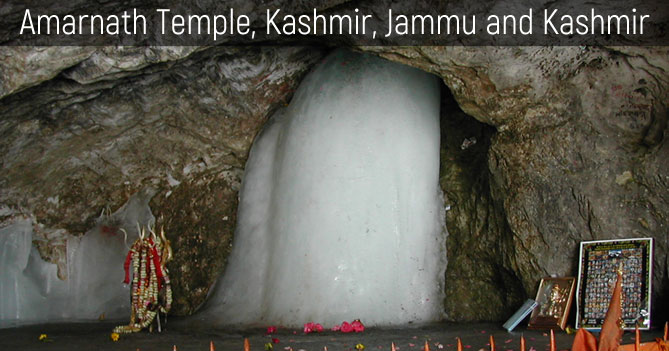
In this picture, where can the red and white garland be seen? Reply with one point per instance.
(150, 290)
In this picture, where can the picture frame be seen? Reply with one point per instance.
(554, 298)
(598, 263)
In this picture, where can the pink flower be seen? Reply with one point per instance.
(275, 340)
(270, 330)
(346, 327)
(357, 325)
(336, 328)
(312, 327)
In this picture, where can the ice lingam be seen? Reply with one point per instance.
(340, 213)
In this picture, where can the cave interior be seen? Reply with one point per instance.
(540, 148)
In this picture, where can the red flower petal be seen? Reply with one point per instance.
(358, 326)
(346, 327)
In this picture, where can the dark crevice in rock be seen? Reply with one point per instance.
(653, 134)
(480, 279)
(660, 301)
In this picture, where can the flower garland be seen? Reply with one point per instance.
(151, 290)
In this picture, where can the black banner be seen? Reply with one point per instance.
(378, 22)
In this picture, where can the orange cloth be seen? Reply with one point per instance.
(612, 332)
(658, 345)
(584, 341)
(662, 345)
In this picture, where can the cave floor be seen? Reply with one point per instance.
(440, 336)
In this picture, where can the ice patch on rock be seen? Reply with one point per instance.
(30, 291)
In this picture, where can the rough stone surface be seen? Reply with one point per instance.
(571, 146)
(478, 234)
(579, 153)
(74, 148)
(199, 219)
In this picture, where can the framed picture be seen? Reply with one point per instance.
(554, 298)
(599, 261)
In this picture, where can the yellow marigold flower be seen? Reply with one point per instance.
(360, 347)
(114, 336)
(42, 337)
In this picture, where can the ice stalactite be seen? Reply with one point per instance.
(341, 213)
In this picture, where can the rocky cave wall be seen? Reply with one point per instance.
(121, 121)
(578, 152)
(570, 146)
(479, 236)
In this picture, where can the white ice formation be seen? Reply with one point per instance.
(30, 290)
(341, 214)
